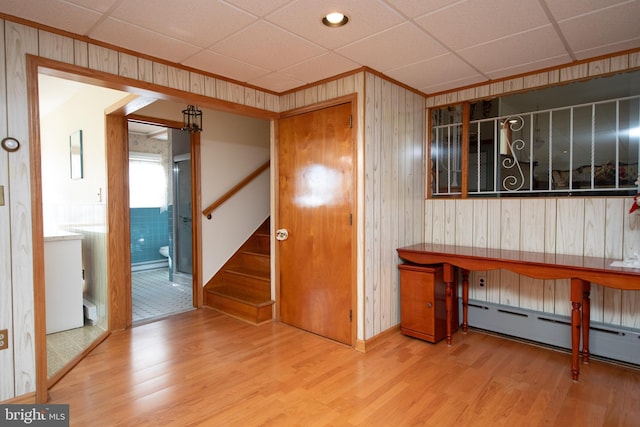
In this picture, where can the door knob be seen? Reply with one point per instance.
(282, 234)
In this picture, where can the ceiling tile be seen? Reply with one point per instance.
(413, 8)
(277, 82)
(97, 5)
(607, 49)
(258, 8)
(524, 48)
(199, 22)
(528, 67)
(564, 9)
(54, 13)
(224, 66)
(383, 51)
(320, 67)
(471, 23)
(267, 46)
(609, 26)
(435, 72)
(304, 17)
(453, 84)
(142, 40)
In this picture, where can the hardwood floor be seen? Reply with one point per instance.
(204, 368)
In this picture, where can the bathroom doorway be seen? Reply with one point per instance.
(74, 211)
(160, 221)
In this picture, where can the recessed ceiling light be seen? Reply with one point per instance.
(335, 19)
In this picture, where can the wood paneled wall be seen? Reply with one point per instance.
(17, 374)
(6, 304)
(596, 226)
(393, 194)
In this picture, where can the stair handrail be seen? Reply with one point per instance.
(226, 196)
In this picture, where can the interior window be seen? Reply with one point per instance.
(580, 138)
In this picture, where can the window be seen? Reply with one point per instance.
(147, 181)
(580, 138)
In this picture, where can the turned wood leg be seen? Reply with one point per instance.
(576, 318)
(448, 275)
(465, 300)
(586, 320)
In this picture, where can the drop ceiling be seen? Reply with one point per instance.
(279, 45)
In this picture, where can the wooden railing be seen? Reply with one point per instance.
(226, 196)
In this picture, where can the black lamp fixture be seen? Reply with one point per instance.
(192, 119)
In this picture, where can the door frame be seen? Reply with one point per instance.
(275, 224)
(118, 251)
(197, 291)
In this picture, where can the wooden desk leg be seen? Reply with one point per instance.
(448, 274)
(576, 318)
(586, 320)
(465, 299)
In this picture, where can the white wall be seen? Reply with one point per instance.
(84, 110)
(231, 147)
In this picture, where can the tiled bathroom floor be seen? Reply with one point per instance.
(154, 295)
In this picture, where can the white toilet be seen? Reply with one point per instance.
(164, 251)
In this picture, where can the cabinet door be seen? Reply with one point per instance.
(417, 301)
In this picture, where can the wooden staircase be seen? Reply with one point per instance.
(242, 287)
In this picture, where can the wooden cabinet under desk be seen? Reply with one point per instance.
(423, 311)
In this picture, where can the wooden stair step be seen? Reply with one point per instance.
(240, 294)
(242, 287)
(260, 243)
(231, 301)
(253, 261)
(249, 273)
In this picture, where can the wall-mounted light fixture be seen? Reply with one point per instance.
(10, 144)
(335, 19)
(192, 119)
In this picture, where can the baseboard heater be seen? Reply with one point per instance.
(90, 311)
(607, 341)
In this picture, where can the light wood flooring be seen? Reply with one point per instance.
(203, 368)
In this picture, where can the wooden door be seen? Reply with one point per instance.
(315, 207)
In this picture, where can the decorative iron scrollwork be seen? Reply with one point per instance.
(514, 179)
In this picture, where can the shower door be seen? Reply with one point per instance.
(182, 214)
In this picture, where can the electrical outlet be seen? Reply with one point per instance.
(482, 279)
(4, 339)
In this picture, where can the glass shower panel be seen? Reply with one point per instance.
(182, 215)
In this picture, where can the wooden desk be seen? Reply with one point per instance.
(581, 270)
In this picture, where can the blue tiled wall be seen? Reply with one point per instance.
(149, 232)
